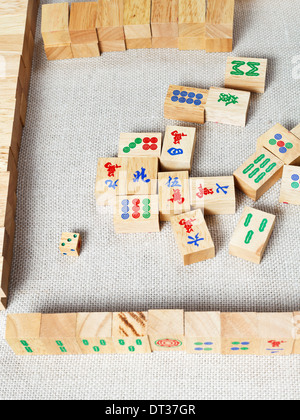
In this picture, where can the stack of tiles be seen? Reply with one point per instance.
(137, 20)
(82, 28)
(55, 31)
(110, 26)
(191, 23)
(17, 31)
(134, 24)
(164, 23)
(202, 333)
(219, 25)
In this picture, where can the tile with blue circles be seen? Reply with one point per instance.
(185, 97)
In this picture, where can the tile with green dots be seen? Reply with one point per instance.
(282, 143)
(240, 333)
(58, 334)
(140, 144)
(94, 332)
(130, 332)
(203, 332)
(70, 244)
(290, 186)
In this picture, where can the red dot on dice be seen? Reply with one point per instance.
(154, 140)
(280, 144)
(146, 140)
(146, 147)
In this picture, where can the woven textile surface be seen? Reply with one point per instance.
(76, 110)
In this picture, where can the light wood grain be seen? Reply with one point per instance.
(167, 42)
(107, 46)
(138, 43)
(85, 50)
(296, 349)
(142, 176)
(94, 333)
(137, 15)
(240, 334)
(70, 244)
(219, 25)
(110, 172)
(59, 52)
(140, 144)
(296, 131)
(58, 334)
(227, 106)
(23, 334)
(191, 24)
(164, 18)
(55, 24)
(82, 26)
(110, 27)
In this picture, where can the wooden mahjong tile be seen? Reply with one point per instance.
(130, 332)
(193, 237)
(134, 214)
(213, 195)
(178, 148)
(252, 235)
(239, 333)
(140, 144)
(290, 187)
(122, 176)
(282, 143)
(185, 104)
(111, 180)
(166, 329)
(174, 194)
(203, 332)
(246, 74)
(227, 106)
(94, 333)
(142, 175)
(276, 333)
(258, 174)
